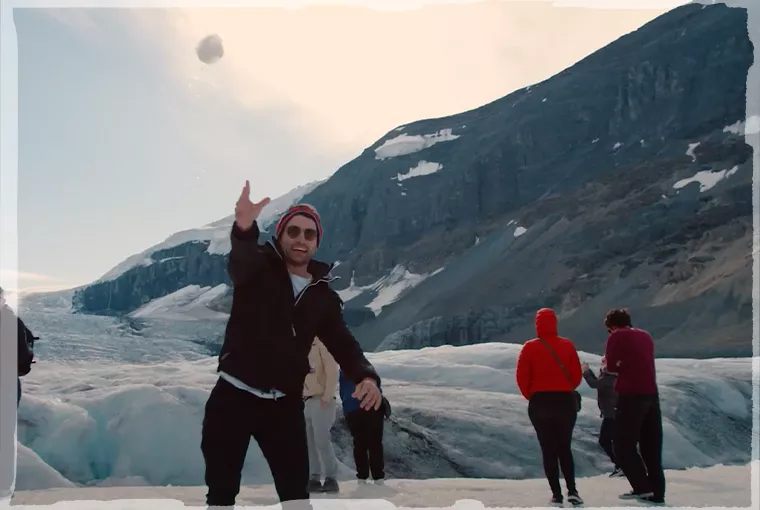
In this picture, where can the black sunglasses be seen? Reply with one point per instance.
(294, 231)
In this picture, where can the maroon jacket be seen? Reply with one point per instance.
(630, 354)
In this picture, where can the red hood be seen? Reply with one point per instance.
(546, 323)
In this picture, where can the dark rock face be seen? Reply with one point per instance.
(680, 76)
(610, 227)
(171, 270)
(567, 194)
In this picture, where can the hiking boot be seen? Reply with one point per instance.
(380, 481)
(362, 481)
(617, 472)
(635, 495)
(556, 500)
(574, 499)
(314, 485)
(330, 485)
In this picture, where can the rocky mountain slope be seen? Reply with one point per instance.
(624, 180)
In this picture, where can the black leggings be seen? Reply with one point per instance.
(553, 417)
(607, 438)
(367, 431)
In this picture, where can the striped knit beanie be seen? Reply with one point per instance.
(299, 210)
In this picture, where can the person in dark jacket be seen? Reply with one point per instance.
(606, 399)
(366, 428)
(281, 301)
(25, 337)
(638, 417)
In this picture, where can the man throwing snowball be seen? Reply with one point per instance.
(281, 300)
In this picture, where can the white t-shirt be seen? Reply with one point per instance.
(299, 283)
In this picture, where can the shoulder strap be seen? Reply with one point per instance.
(561, 365)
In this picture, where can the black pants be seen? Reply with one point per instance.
(18, 397)
(553, 417)
(232, 416)
(639, 421)
(606, 438)
(367, 430)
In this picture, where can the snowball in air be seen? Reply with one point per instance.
(210, 49)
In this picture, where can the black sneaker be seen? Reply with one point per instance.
(574, 499)
(314, 485)
(635, 495)
(617, 472)
(556, 500)
(651, 499)
(330, 485)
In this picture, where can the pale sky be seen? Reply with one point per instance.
(125, 137)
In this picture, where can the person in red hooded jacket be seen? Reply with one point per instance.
(550, 390)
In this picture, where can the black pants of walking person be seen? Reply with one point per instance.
(607, 437)
(367, 431)
(553, 417)
(232, 417)
(639, 422)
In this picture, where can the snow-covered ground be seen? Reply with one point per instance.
(457, 414)
(718, 486)
(76, 338)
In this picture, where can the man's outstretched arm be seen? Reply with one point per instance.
(245, 257)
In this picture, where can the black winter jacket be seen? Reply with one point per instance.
(270, 331)
(606, 396)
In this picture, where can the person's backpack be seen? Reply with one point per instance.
(386, 408)
(25, 353)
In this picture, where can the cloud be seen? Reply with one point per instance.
(344, 74)
(24, 275)
(354, 74)
(34, 289)
(24, 282)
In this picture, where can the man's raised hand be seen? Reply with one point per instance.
(246, 212)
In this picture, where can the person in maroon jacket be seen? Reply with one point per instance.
(630, 353)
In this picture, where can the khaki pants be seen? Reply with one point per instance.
(319, 421)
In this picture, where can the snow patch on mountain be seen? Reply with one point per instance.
(690, 150)
(706, 179)
(216, 234)
(188, 303)
(408, 144)
(422, 168)
(388, 289)
(751, 126)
